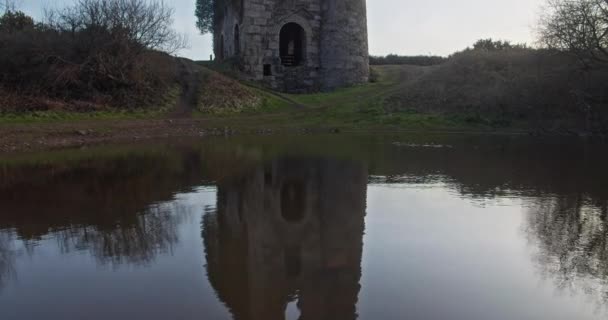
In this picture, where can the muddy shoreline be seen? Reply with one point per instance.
(20, 138)
(39, 137)
(30, 137)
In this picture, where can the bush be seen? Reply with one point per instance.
(94, 53)
(543, 88)
(579, 27)
(496, 45)
(13, 21)
(393, 59)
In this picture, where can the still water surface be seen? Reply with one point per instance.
(322, 227)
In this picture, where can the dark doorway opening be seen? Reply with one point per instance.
(267, 70)
(292, 45)
(237, 40)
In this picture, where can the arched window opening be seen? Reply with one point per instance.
(292, 45)
(237, 40)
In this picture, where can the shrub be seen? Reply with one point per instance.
(544, 88)
(393, 59)
(13, 21)
(579, 27)
(102, 52)
(496, 45)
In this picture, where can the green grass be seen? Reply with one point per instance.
(354, 96)
(33, 117)
(362, 108)
(271, 103)
(357, 108)
(63, 116)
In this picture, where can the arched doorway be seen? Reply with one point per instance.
(292, 45)
(237, 40)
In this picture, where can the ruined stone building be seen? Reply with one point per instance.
(295, 45)
(289, 232)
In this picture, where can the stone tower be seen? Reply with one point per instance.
(289, 230)
(295, 45)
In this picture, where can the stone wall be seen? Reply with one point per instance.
(263, 22)
(335, 50)
(223, 36)
(344, 44)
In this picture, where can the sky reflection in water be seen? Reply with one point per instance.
(322, 227)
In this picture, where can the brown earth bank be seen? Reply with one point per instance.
(26, 137)
(18, 138)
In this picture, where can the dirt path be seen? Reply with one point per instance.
(189, 78)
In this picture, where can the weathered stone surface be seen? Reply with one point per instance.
(333, 53)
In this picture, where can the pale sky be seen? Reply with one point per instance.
(407, 27)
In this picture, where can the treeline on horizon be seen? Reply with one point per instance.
(394, 59)
(432, 60)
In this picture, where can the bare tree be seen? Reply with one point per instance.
(103, 51)
(146, 23)
(577, 26)
(8, 5)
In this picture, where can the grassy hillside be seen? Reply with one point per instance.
(106, 59)
(190, 90)
(519, 87)
(88, 61)
(517, 90)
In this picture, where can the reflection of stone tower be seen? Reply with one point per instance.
(293, 229)
(295, 45)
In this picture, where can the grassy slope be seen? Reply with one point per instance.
(224, 102)
(58, 116)
(356, 108)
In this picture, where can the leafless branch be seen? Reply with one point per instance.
(147, 23)
(577, 26)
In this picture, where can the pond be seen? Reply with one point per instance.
(308, 227)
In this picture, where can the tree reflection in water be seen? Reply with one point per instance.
(7, 257)
(135, 242)
(292, 230)
(571, 233)
(119, 209)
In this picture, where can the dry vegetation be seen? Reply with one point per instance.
(106, 55)
(545, 89)
(93, 54)
(220, 94)
(393, 59)
(116, 53)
